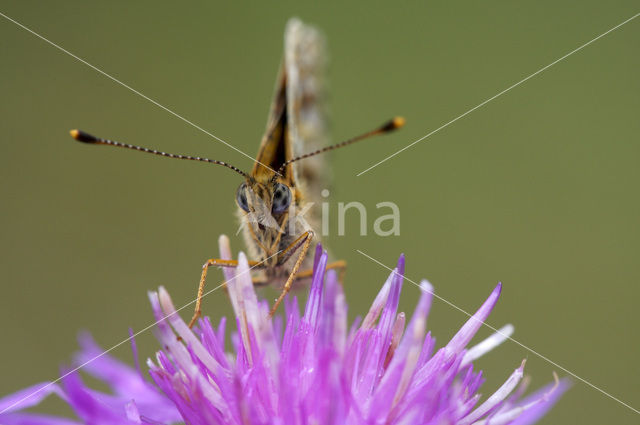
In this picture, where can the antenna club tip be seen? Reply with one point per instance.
(81, 136)
(394, 124)
(399, 122)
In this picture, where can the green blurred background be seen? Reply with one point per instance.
(538, 188)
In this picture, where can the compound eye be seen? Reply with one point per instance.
(241, 197)
(281, 198)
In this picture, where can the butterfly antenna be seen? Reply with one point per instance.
(387, 127)
(83, 137)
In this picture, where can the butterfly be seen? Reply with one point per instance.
(276, 197)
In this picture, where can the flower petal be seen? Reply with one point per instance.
(28, 397)
(480, 349)
(464, 335)
(495, 398)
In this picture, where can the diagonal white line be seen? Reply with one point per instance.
(175, 114)
(548, 360)
(498, 95)
(127, 339)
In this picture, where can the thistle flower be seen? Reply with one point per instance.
(310, 368)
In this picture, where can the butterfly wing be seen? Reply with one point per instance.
(305, 64)
(275, 147)
(297, 121)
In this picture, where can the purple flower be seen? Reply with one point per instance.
(310, 368)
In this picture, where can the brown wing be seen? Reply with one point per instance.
(297, 121)
(276, 146)
(305, 62)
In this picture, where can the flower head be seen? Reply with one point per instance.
(310, 368)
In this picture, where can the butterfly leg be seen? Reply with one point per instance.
(259, 281)
(336, 265)
(305, 241)
(203, 277)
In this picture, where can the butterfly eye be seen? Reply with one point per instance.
(281, 198)
(241, 197)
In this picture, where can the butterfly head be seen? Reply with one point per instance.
(265, 207)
